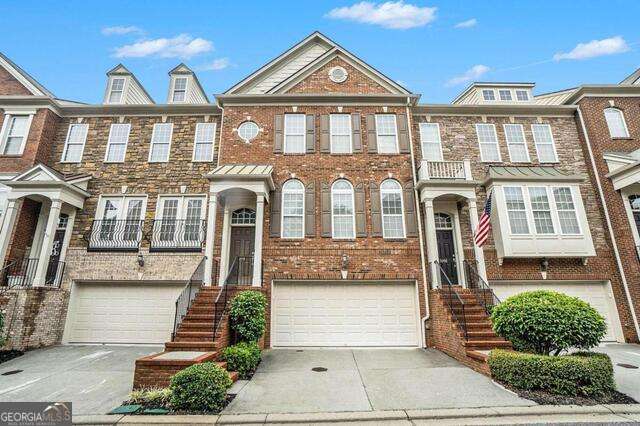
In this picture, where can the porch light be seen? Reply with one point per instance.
(140, 260)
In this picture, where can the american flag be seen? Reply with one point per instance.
(484, 226)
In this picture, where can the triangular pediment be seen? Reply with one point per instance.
(119, 70)
(181, 69)
(39, 172)
(303, 60)
(17, 81)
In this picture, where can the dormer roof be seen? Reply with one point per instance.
(472, 94)
(195, 93)
(132, 91)
(634, 78)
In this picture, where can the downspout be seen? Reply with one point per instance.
(608, 219)
(416, 196)
(220, 131)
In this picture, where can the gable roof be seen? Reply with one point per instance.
(24, 78)
(120, 69)
(299, 61)
(634, 78)
(183, 69)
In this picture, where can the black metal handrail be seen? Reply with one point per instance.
(115, 235)
(19, 273)
(177, 235)
(454, 301)
(480, 288)
(4, 273)
(187, 295)
(241, 271)
(55, 272)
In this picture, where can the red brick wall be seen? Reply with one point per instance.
(10, 86)
(24, 229)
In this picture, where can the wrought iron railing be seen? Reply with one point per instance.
(19, 273)
(241, 272)
(115, 235)
(453, 300)
(480, 288)
(187, 295)
(55, 272)
(177, 235)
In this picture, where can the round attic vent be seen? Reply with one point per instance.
(337, 74)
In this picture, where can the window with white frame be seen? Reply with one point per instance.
(293, 209)
(541, 210)
(488, 95)
(567, 216)
(516, 143)
(179, 89)
(119, 222)
(204, 142)
(294, 133)
(387, 133)
(179, 222)
(16, 130)
(117, 143)
(340, 133)
(74, 145)
(516, 210)
(342, 210)
(243, 217)
(430, 141)
(545, 145)
(616, 123)
(4, 190)
(117, 90)
(634, 202)
(505, 94)
(160, 142)
(392, 209)
(522, 95)
(248, 130)
(488, 141)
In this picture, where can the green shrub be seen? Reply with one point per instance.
(247, 314)
(242, 357)
(200, 387)
(546, 322)
(580, 374)
(155, 398)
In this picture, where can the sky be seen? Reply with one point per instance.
(435, 48)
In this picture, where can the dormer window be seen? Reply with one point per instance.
(522, 95)
(505, 95)
(117, 90)
(488, 95)
(179, 89)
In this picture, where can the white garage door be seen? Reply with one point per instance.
(121, 313)
(597, 295)
(344, 314)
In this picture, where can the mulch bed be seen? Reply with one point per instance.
(177, 412)
(9, 355)
(546, 398)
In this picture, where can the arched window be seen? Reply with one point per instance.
(443, 221)
(392, 212)
(293, 209)
(244, 217)
(616, 123)
(343, 219)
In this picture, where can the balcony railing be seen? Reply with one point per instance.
(115, 235)
(22, 273)
(449, 170)
(177, 235)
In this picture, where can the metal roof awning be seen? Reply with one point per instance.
(533, 173)
(243, 172)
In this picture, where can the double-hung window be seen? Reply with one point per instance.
(522, 95)
(74, 145)
(117, 90)
(293, 209)
(430, 140)
(294, 133)
(117, 143)
(392, 216)
(488, 95)
(340, 133)
(516, 143)
(505, 95)
(179, 223)
(516, 210)
(14, 134)
(204, 142)
(563, 198)
(342, 211)
(488, 141)
(179, 89)
(616, 123)
(545, 146)
(160, 142)
(387, 133)
(119, 223)
(541, 210)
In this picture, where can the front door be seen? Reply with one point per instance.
(241, 250)
(56, 251)
(446, 249)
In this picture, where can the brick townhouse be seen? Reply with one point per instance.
(317, 180)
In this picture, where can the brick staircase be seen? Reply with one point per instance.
(194, 342)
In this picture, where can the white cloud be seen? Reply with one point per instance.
(182, 46)
(393, 15)
(215, 65)
(467, 24)
(121, 30)
(471, 74)
(595, 48)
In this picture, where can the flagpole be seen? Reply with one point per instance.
(478, 251)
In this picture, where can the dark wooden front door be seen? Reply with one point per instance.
(242, 245)
(52, 269)
(447, 256)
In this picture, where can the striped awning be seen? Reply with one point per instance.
(246, 172)
(532, 173)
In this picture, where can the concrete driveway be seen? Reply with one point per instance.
(95, 379)
(365, 380)
(627, 379)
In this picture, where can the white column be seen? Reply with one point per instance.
(8, 222)
(211, 230)
(479, 253)
(224, 250)
(432, 242)
(47, 243)
(257, 249)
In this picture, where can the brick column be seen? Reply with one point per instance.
(47, 243)
(211, 230)
(257, 250)
(479, 253)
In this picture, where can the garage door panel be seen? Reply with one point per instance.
(341, 314)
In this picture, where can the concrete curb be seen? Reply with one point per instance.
(542, 412)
